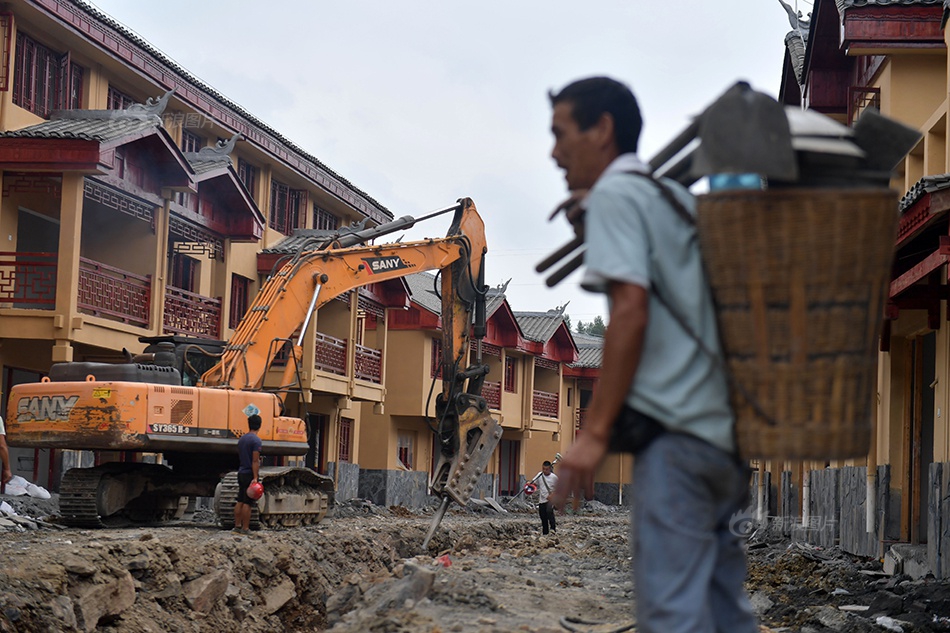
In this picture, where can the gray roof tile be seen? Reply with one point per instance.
(540, 326)
(93, 125)
(590, 350)
(796, 53)
(927, 184)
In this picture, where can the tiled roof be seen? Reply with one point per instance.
(422, 289)
(190, 78)
(540, 326)
(927, 184)
(590, 350)
(90, 125)
(310, 239)
(847, 4)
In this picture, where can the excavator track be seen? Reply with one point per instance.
(292, 497)
(115, 495)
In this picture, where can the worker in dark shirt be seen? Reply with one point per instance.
(249, 452)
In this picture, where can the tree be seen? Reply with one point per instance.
(597, 327)
(581, 327)
(567, 321)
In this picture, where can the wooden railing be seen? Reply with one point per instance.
(330, 354)
(28, 280)
(369, 364)
(491, 391)
(580, 416)
(544, 403)
(190, 313)
(113, 293)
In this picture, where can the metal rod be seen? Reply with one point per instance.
(436, 520)
(306, 321)
(556, 256)
(565, 270)
(454, 207)
(676, 145)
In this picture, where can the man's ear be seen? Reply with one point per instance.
(604, 130)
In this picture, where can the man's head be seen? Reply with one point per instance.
(594, 121)
(546, 467)
(254, 422)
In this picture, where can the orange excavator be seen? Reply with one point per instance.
(161, 401)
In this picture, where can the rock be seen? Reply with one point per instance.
(276, 597)
(94, 601)
(63, 611)
(415, 585)
(761, 603)
(79, 566)
(886, 603)
(171, 589)
(831, 618)
(204, 592)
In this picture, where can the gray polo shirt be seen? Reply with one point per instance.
(633, 236)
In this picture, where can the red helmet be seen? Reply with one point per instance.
(255, 491)
(530, 488)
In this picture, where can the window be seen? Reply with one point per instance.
(346, 440)
(190, 142)
(435, 371)
(44, 80)
(511, 376)
(284, 207)
(324, 220)
(183, 272)
(404, 446)
(240, 289)
(118, 100)
(247, 174)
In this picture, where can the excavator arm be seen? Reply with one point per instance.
(285, 304)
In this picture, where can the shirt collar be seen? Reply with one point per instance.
(626, 163)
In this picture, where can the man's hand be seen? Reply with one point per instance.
(7, 474)
(578, 467)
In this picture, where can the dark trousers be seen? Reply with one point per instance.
(546, 510)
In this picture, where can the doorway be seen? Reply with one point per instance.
(509, 474)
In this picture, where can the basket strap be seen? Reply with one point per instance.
(687, 217)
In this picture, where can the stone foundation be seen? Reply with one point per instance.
(346, 477)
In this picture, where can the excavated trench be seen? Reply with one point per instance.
(363, 569)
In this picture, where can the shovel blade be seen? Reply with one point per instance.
(745, 132)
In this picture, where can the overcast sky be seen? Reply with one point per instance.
(420, 103)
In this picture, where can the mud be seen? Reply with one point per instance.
(363, 569)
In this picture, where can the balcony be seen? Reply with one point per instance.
(491, 391)
(28, 280)
(369, 364)
(580, 416)
(330, 354)
(191, 314)
(544, 404)
(114, 294)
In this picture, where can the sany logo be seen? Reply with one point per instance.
(53, 408)
(383, 264)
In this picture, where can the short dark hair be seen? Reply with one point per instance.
(254, 422)
(547, 463)
(593, 97)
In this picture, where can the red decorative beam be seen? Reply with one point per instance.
(929, 264)
(41, 154)
(893, 27)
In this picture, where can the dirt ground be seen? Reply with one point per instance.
(363, 569)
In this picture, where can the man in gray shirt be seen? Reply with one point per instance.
(642, 252)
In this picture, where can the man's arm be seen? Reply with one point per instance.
(7, 473)
(623, 345)
(255, 464)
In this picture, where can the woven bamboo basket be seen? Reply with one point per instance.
(800, 278)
